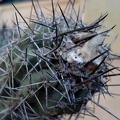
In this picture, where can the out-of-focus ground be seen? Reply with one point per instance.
(93, 10)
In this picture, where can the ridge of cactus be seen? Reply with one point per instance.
(55, 66)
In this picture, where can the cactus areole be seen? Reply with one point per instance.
(55, 67)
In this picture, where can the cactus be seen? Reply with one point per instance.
(55, 67)
(6, 35)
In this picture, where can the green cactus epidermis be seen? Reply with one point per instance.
(21, 68)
